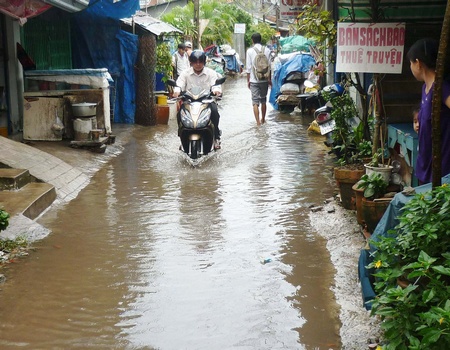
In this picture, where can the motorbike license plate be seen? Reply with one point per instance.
(327, 127)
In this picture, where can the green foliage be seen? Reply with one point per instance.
(164, 61)
(364, 147)
(183, 19)
(417, 251)
(221, 19)
(266, 31)
(4, 220)
(374, 185)
(318, 25)
(378, 157)
(345, 138)
(10, 245)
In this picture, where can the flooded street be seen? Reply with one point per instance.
(157, 254)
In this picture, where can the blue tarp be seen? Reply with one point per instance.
(113, 9)
(296, 62)
(98, 42)
(125, 106)
(232, 63)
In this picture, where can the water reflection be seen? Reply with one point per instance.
(155, 254)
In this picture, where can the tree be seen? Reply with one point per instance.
(319, 25)
(221, 20)
(441, 72)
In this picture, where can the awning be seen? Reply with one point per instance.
(150, 24)
(23, 9)
(69, 5)
(396, 11)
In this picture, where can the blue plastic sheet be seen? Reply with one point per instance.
(297, 63)
(232, 63)
(114, 50)
(125, 106)
(113, 9)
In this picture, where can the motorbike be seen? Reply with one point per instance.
(322, 114)
(196, 130)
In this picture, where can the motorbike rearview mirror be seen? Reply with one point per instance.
(308, 83)
(220, 81)
(171, 82)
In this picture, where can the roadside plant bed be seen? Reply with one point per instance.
(12, 248)
(412, 272)
(346, 176)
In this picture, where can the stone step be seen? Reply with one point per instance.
(30, 200)
(11, 179)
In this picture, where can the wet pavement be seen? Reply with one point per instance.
(156, 254)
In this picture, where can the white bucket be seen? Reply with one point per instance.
(384, 170)
(82, 128)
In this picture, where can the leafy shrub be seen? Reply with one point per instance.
(4, 220)
(374, 185)
(416, 251)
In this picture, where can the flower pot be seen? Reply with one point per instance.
(359, 195)
(345, 179)
(162, 114)
(372, 211)
(384, 170)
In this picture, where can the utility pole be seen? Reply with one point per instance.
(197, 23)
(263, 10)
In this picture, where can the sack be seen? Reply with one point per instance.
(261, 65)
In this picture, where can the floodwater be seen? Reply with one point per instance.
(157, 254)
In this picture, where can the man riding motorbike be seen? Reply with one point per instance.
(204, 77)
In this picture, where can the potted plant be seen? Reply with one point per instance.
(370, 201)
(417, 250)
(349, 147)
(376, 165)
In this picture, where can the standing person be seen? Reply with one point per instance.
(204, 77)
(180, 60)
(188, 46)
(415, 114)
(422, 56)
(258, 86)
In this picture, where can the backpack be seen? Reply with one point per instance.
(261, 65)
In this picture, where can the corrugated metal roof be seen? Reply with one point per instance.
(150, 24)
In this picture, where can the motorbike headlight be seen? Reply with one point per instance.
(186, 119)
(203, 120)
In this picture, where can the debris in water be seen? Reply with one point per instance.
(266, 261)
(316, 209)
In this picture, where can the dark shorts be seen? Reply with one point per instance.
(259, 92)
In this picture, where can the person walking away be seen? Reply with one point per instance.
(204, 77)
(258, 76)
(180, 60)
(422, 56)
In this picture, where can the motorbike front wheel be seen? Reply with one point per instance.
(194, 149)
